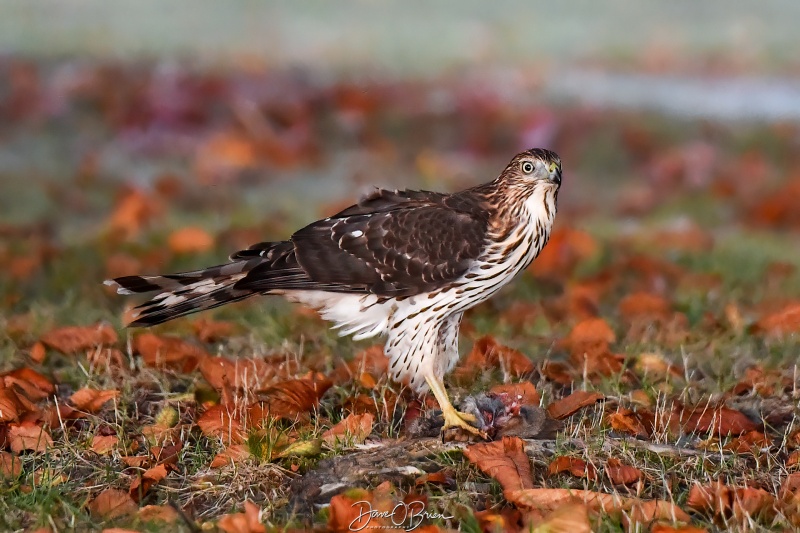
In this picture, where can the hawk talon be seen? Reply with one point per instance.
(457, 419)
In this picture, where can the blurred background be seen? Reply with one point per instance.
(149, 136)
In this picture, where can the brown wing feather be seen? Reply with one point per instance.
(390, 244)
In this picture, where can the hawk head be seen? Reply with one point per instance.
(534, 168)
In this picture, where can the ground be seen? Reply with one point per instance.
(658, 327)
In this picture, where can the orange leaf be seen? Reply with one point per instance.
(168, 352)
(622, 474)
(570, 405)
(219, 422)
(573, 465)
(38, 352)
(523, 393)
(236, 453)
(132, 211)
(720, 420)
(104, 444)
(92, 400)
(294, 397)
(28, 437)
(112, 503)
(488, 353)
(780, 323)
(666, 528)
(567, 247)
(551, 499)
(720, 501)
(247, 522)
(190, 240)
(353, 429)
(254, 375)
(10, 465)
(590, 336)
(570, 518)
(627, 421)
(141, 485)
(370, 361)
(10, 406)
(503, 460)
(644, 306)
(213, 330)
(73, 339)
(158, 513)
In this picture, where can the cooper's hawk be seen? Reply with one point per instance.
(404, 264)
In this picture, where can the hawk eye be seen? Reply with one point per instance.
(527, 167)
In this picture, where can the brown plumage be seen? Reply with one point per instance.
(406, 264)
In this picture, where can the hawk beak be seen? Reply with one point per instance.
(555, 172)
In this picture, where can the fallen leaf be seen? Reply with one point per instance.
(565, 250)
(561, 409)
(292, 398)
(570, 518)
(504, 460)
(168, 352)
(487, 353)
(104, 444)
(132, 211)
(213, 330)
(589, 337)
(10, 406)
(352, 430)
(641, 510)
(780, 323)
(74, 339)
(218, 422)
(666, 528)
(523, 393)
(234, 454)
(10, 465)
(247, 522)
(142, 484)
(718, 500)
(370, 361)
(254, 375)
(159, 513)
(28, 437)
(38, 352)
(112, 503)
(575, 466)
(644, 306)
(190, 240)
(92, 400)
(627, 421)
(621, 474)
(721, 421)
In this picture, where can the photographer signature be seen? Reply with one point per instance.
(408, 516)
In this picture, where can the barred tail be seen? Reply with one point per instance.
(185, 293)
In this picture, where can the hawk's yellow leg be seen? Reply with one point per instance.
(452, 418)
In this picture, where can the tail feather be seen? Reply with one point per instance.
(184, 293)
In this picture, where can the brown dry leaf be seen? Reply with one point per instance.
(354, 429)
(504, 460)
(641, 510)
(231, 455)
(10, 465)
(10, 406)
(523, 393)
(590, 336)
(293, 398)
(487, 353)
(644, 306)
(159, 513)
(622, 474)
(104, 444)
(561, 409)
(575, 466)
(213, 330)
(750, 442)
(346, 514)
(73, 339)
(656, 365)
(92, 400)
(135, 461)
(721, 501)
(565, 250)
(38, 352)
(721, 421)
(190, 240)
(780, 323)
(112, 503)
(627, 421)
(247, 522)
(570, 518)
(557, 372)
(141, 485)
(132, 211)
(667, 528)
(371, 361)
(253, 375)
(35, 385)
(219, 422)
(28, 436)
(168, 352)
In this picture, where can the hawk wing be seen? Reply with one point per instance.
(390, 244)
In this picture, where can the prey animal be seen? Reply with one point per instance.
(401, 264)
